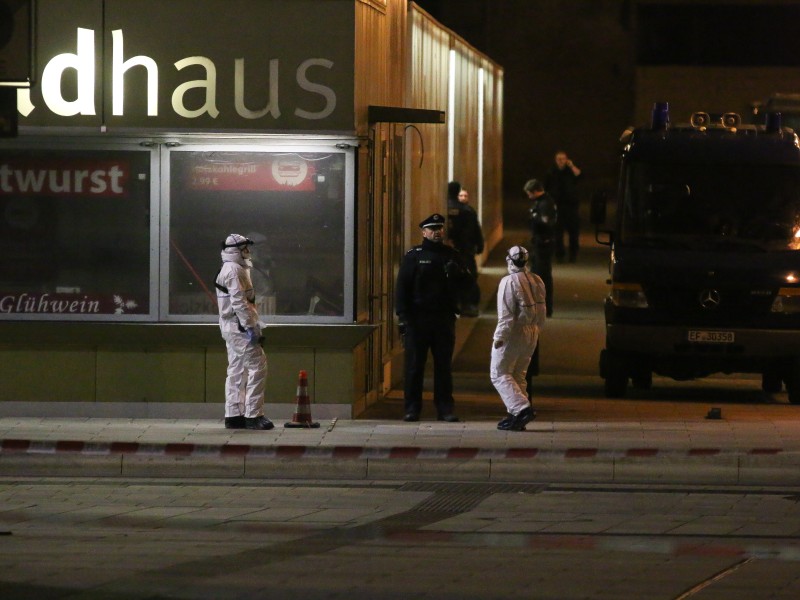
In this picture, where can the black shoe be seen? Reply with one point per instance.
(234, 422)
(525, 416)
(449, 418)
(505, 422)
(261, 423)
(411, 417)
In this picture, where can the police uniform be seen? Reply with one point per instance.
(426, 304)
(542, 221)
(465, 233)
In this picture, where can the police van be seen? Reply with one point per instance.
(705, 253)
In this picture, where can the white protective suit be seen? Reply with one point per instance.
(520, 317)
(247, 364)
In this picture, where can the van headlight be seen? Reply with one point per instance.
(628, 295)
(787, 301)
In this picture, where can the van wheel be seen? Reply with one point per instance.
(771, 381)
(615, 371)
(642, 380)
(792, 379)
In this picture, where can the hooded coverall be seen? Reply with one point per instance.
(520, 317)
(247, 363)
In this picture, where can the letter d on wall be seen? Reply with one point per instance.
(17, 42)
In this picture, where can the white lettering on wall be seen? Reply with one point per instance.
(209, 83)
(25, 303)
(272, 102)
(61, 181)
(83, 63)
(322, 90)
(119, 67)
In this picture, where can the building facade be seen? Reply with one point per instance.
(321, 129)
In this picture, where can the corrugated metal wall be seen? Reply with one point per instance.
(402, 59)
(429, 68)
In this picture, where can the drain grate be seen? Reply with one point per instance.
(456, 498)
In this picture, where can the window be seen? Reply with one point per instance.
(131, 231)
(291, 203)
(75, 230)
(690, 33)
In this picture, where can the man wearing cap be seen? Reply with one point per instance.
(428, 284)
(238, 323)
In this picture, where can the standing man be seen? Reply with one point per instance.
(560, 183)
(427, 290)
(520, 317)
(542, 221)
(465, 233)
(238, 323)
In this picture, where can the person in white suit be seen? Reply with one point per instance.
(238, 323)
(520, 316)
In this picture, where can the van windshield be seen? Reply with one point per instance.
(728, 206)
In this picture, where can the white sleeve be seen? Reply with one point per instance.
(505, 309)
(239, 287)
(539, 296)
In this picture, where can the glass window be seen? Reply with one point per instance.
(291, 203)
(75, 233)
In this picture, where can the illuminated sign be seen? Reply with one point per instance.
(105, 65)
(73, 178)
(283, 173)
(70, 304)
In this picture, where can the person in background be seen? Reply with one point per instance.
(560, 182)
(238, 323)
(520, 317)
(464, 231)
(541, 221)
(427, 290)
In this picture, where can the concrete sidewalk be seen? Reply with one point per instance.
(752, 445)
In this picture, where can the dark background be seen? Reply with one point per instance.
(571, 66)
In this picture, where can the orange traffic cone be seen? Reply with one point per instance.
(302, 414)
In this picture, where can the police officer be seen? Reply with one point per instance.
(464, 230)
(238, 323)
(427, 289)
(542, 221)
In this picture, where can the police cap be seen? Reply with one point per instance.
(435, 220)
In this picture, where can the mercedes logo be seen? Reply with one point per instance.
(709, 299)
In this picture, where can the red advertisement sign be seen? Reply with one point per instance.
(289, 173)
(81, 178)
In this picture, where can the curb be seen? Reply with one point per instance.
(693, 466)
(23, 446)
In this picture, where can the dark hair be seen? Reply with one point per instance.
(452, 190)
(533, 185)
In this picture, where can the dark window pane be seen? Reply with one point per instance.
(74, 232)
(718, 34)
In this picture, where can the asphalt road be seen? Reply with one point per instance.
(83, 539)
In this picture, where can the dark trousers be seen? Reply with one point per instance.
(570, 224)
(435, 332)
(470, 295)
(542, 265)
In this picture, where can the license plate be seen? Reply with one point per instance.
(711, 337)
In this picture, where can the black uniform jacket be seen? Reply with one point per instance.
(429, 280)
